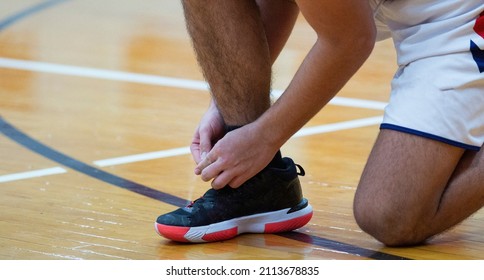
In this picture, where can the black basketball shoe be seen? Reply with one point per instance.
(269, 202)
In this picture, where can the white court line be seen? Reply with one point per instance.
(153, 80)
(346, 101)
(101, 74)
(32, 174)
(142, 157)
(326, 128)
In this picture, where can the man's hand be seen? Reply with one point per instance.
(235, 158)
(209, 131)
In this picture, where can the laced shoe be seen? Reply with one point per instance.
(269, 202)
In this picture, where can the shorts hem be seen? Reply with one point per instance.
(429, 136)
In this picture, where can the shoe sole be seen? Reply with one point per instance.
(270, 222)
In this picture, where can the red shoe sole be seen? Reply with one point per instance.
(271, 222)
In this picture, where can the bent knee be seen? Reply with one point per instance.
(389, 225)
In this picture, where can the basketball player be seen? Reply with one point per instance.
(425, 173)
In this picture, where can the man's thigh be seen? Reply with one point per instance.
(405, 176)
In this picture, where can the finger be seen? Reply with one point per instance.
(195, 146)
(195, 151)
(205, 145)
(216, 185)
(204, 163)
(211, 171)
(221, 180)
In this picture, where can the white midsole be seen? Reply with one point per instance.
(249, 224)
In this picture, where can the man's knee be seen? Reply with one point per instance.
(388, 223)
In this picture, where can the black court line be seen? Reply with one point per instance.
(39, 148)
(23, 139)
(6, 22)
(340, 246)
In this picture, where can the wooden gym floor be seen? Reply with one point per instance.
(98, 103)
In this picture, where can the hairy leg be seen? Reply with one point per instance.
(236, 43)
(232, 50)
(413, 188)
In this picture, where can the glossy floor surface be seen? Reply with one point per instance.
(98, 104)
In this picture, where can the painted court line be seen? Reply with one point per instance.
(32, 174)
(35, 146)
(345, 101)
(332, 127)
(6, 22)
(112, 75)
(142, 157)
